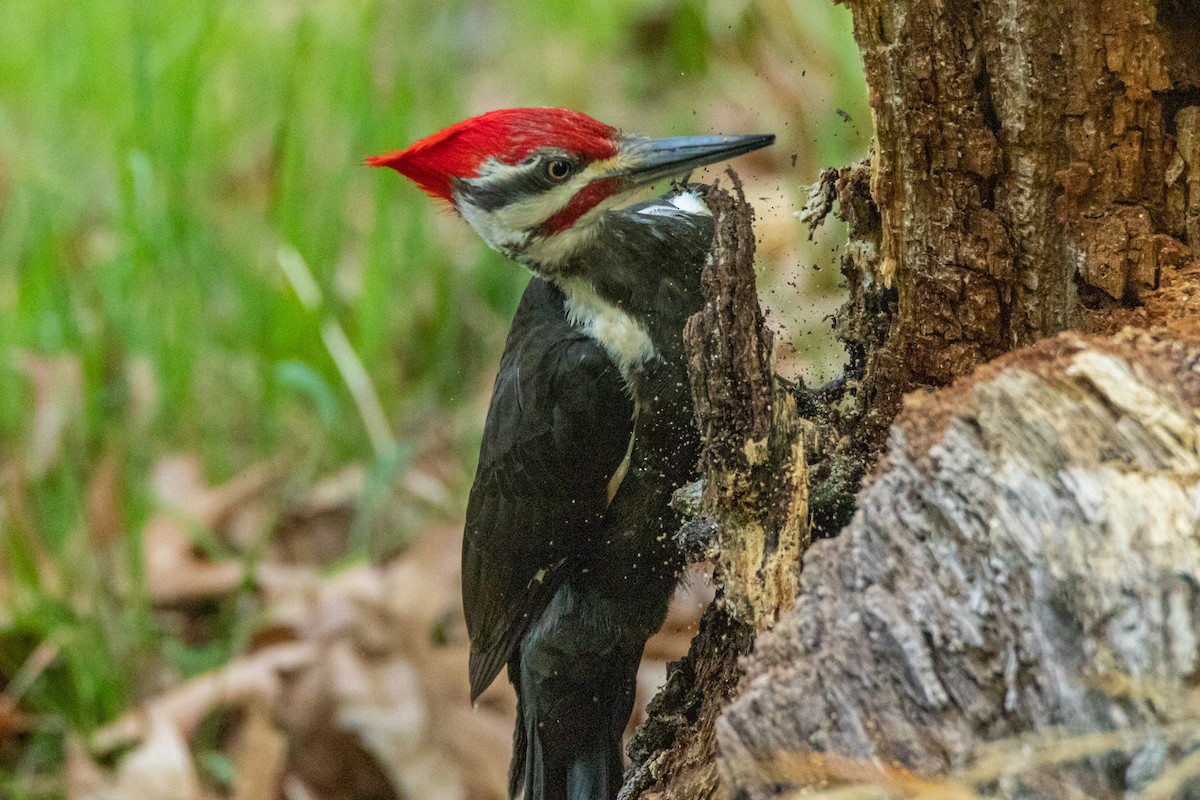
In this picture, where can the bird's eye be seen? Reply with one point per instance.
(558, 169)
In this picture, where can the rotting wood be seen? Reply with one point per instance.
(1034, 170)
(849, 417)
(755, 476)
(755, 501)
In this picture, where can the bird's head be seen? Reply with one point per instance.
(533, 182)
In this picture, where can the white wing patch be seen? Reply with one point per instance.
(622, 337)
(691, 203)
(686, 202)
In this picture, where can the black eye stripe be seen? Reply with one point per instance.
(494, 194)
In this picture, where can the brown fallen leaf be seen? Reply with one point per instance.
(84, 779)
(255, 676)
(316, 530)
(363, 670)
(259, 756)
(13, 723)
(393, 674)
(175, 572)
(159, 768)
(178, 482)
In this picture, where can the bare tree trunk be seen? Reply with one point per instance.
(1028, 174)
(1025, 559)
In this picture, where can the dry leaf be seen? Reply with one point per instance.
(160, 768)
(259, 756)
(179, 482)
(364, 670)
(255, 676)
(85, 779)
(175, 572)
(13, 722)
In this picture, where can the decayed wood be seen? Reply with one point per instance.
(849, 434)
(754, 501)
(674, 752)
(1026, 561)
(755, 477)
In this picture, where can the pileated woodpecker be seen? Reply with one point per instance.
(568, 561)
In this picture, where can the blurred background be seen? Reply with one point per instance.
(243, 378)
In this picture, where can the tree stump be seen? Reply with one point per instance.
(1026, 563)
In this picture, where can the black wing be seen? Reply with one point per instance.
(558, 428)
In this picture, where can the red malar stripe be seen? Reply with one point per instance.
(584, 201)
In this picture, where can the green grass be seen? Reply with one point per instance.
(156, 159)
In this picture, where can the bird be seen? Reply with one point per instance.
(568, 559)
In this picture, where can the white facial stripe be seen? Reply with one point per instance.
(509, 227)
(495, 171)
(491, 229)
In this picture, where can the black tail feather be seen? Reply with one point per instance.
(597, 771)
(516, 770)
(587, 768)
(576, 676)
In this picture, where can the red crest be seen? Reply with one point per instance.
(507, 135)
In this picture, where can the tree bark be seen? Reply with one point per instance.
(1033, 173)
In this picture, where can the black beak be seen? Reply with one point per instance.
(653, 159)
